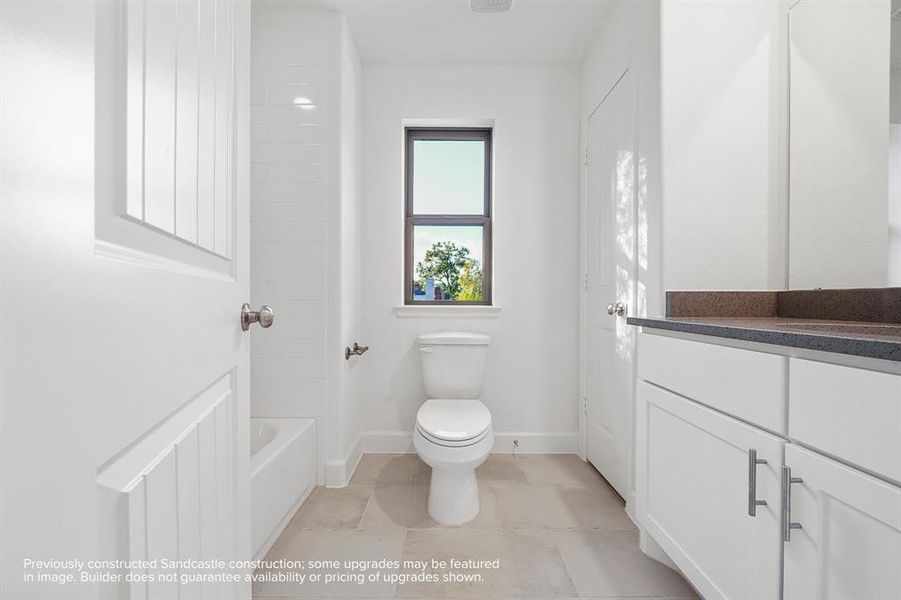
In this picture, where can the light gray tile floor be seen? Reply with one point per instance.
(551, 523)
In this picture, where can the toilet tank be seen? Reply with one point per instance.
(453, 364)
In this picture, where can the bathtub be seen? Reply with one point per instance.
(282, 474)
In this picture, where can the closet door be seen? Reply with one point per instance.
(700, 484)
(849, 542)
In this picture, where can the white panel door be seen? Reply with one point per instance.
(849, 544)
(610, 342)
(124, 423)
(695, 483)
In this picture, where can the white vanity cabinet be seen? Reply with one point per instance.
(831, 438)
(847, 412)
(848, 546)
(700, 472)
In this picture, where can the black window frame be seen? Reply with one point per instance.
(485, 135)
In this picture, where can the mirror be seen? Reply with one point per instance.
(844, 144)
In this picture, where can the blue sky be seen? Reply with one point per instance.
(449, 179)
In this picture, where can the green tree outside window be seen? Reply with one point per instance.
(453, 270)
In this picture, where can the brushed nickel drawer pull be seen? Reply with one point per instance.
(787, 481)
(753, 502)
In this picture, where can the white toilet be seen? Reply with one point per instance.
(453, 427)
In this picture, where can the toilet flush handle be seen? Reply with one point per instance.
(426, 350)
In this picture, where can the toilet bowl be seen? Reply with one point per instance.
(453, 437)
(453, 433)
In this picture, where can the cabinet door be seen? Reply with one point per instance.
(694, 480)
(849, 544)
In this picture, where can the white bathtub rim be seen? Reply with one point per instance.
(283, 437)
(257, 427)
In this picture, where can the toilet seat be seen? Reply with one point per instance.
(453, 423)
(452, 444)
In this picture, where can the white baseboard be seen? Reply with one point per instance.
(651, 548)
(338, 472)
(630, 507)
(530, 442)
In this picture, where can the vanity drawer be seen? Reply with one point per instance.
(852, 414)
(743, 383)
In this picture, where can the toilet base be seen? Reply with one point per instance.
(453, 491)
(453, 496)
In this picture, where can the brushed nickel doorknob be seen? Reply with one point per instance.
(618, 309)
(265, 316)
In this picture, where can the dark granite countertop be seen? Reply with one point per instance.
(869, 340)
(808, 319)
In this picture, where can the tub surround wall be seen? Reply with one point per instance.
(289, 210)
(304, 193)
(531, 378)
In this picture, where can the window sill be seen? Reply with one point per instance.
(408, 311)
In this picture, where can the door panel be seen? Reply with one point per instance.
(186, 107)
(206, 152)
(179, 88)
(693, 486)
(123, 430)
(611, 174)
(849, 544)
(171, 469)
(160, 48)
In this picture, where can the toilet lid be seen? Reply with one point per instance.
(453, 420)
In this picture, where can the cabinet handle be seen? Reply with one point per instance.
(753, 502)
(787, 481)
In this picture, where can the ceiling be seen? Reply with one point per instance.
(443, 32)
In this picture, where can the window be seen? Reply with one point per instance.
(447, 239)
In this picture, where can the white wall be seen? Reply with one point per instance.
(531, 382)
(304, 196)
(894, 206)
(345, 232)
(839, 144)
(894, 163)
(723, 144)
